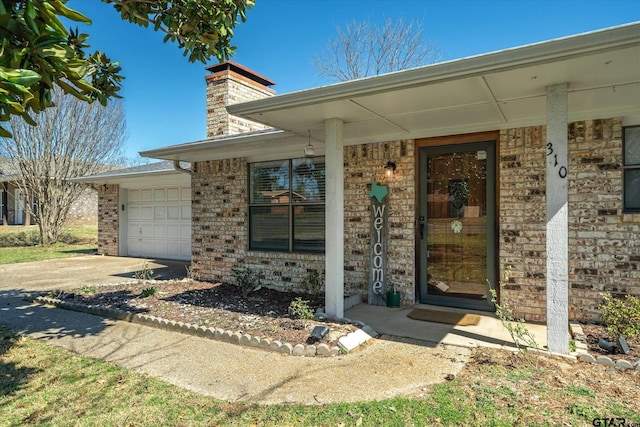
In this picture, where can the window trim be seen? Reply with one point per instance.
(627, 167)
(291, 205)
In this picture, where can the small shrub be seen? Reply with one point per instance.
(300, 309)
(313, 283)
(87, 290)
(193, 271)
(246, 279)
(148, 292)
(521, 335)
(621, 317)
(143, 274)
(56, 293)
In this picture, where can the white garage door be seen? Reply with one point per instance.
(159, 223)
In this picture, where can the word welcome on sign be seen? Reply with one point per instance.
(379, 233)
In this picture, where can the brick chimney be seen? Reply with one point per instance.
(231, 83)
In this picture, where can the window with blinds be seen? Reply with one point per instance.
(286, 205)
(631, 169)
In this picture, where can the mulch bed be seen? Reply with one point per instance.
(595, 332)
(264, 313)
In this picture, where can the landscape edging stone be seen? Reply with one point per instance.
(321, 350)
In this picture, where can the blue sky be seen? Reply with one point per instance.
(165, 94)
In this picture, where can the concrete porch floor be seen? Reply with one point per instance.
(489, 331)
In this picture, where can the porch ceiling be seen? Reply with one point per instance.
(494, 91)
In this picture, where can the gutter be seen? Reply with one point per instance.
(176, 166)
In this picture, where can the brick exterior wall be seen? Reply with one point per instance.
(227, 88)
(220, 223)
(108, 219)
(604, 254)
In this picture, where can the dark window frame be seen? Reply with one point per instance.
(291, 205)
(626, 167)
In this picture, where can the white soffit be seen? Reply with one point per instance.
(494, 91)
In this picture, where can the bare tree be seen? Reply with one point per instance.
(71, 139)
(363, 49)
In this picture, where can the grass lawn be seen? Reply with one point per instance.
(21, 243)
(46, 385)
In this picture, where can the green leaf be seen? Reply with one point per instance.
(74, 15)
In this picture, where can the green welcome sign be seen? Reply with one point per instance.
(378, 283)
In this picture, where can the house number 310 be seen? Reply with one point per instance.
(562, 172)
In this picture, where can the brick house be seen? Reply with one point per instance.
(520, 166)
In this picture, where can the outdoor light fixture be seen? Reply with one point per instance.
(308, 150)
(390, 168)
(319, 332)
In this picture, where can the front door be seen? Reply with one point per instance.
(457, 225)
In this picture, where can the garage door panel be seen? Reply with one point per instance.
(173, 213)
(134, 247)
(159, 248)
(185, 232)
(173, 248)
(133, 213)
(186, 194)
(133, 196)
(146, 213)
(159, 195)
(159, 213)
(146, 230)
(185, 250)
(133, 230)
(173, 231)
(159, 231)
(186, 212)
(173, 194)
(146, 247)
(146, 195)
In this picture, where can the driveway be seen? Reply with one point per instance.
(85, 270)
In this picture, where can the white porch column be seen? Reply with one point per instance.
(334, 219)
(557, 193)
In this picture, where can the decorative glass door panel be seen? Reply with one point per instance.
(457, 243)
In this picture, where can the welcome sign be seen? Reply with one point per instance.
(379, 232)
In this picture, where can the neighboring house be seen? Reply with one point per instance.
(519, 166)
(13, 199)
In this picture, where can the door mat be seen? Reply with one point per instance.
(459, 319)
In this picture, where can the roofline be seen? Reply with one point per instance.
(220, 142)
(533, 54)
(100, 178)
(9, 178)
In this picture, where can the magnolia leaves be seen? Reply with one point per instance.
(37, 52)
(203, 29)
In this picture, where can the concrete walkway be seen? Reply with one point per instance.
(489, 331)
(383, 368)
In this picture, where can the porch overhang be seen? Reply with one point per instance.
(499, 90)
(256, 146)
